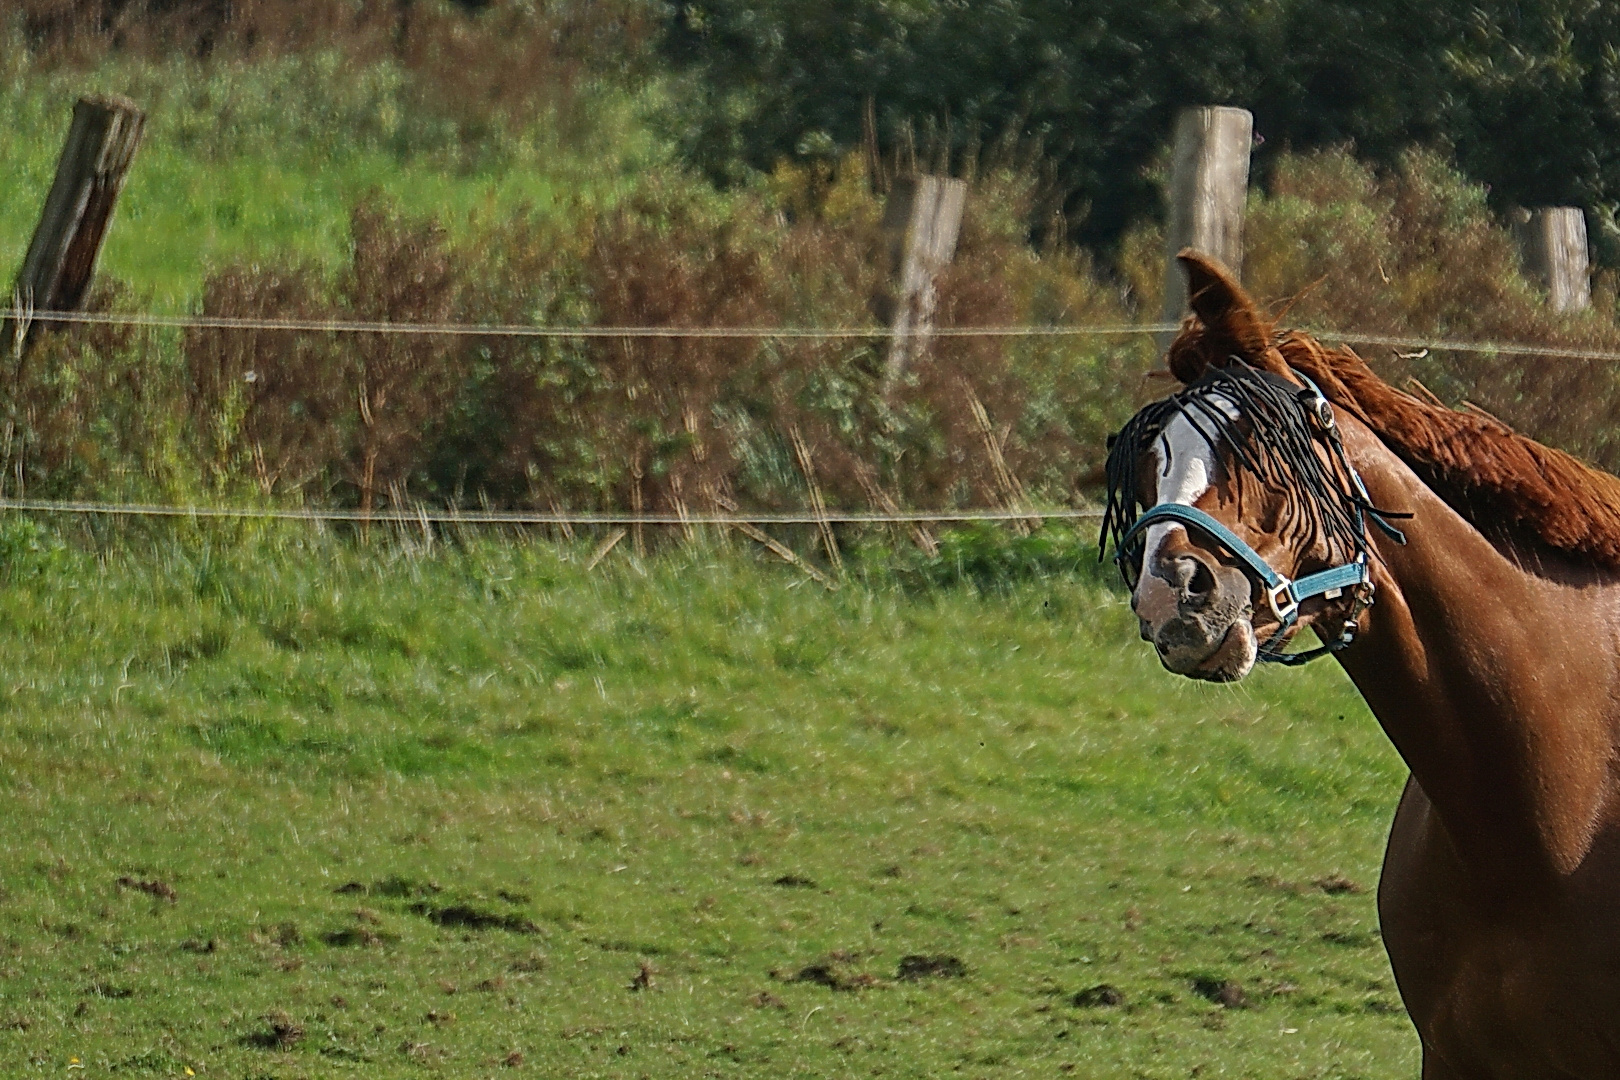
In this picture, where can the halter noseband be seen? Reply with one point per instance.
(1284, 595)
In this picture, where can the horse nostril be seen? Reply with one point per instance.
(1192, 579)
(1202, 582)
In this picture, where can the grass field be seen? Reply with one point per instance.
(282, 807)
(265, 161)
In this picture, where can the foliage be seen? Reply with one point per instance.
(28, 549)
(308, 186)
(675, 425)
(993, 558)
(662, 424)
(86, 409)
(476, 56)
(422, 811)
(1524, 93)
(1415, 250)
(265, 159)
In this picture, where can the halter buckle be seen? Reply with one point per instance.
(1285, 615)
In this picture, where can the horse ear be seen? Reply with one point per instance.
(1230, 319)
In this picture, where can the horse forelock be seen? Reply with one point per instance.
(1253, 424)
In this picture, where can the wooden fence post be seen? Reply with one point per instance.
(1209, 184)
(62, 255)
(1552, 243)
(921, 220)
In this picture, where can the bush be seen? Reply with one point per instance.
(655, 424)
(699, 424)
(474, 62)
(28, 549)
(90, 408)
(1415, 250)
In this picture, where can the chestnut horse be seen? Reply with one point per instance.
(1486, 640)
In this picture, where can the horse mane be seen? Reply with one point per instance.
(1508, 486)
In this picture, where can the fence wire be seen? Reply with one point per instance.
(427, 516)
(23, 316)
(423, 516)
(342, 326)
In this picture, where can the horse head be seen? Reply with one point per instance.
(1235, 515)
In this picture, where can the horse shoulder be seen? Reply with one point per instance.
(1498, 985)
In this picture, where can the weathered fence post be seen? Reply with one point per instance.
(62, 255)
(1209, 183)
(1552, 243)
(921, 220)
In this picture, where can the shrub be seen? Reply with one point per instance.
(314, 412)
(698, 424)
(657, 424)
(1414, 250)
(92, 407)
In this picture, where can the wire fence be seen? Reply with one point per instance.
(519, 330)
(23, 316)
(429, 516)
(422, 516)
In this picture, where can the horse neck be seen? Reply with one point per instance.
(1496, 684)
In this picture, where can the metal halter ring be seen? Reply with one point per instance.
(1316, 404)
(1285, 615)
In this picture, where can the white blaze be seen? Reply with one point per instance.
(1191, 472)
(1184, 467)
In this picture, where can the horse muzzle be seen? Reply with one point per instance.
(1197, 614)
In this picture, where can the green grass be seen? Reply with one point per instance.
(265, 161)
(437, 808)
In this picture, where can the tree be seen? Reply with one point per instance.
(1526, 94)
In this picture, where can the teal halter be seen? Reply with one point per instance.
(1283, 595)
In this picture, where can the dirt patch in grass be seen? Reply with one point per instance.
(794, 881)
(281, 1032)
(361, 936)
(1101, 996)
(941, 966)
(832, 974)
(468, 917)
(1223, 992)
(159, 890)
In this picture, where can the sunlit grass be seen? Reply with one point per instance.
(421, 811)
(668, 788)
(241, 162)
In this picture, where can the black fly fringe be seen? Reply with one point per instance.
(1271, 438)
